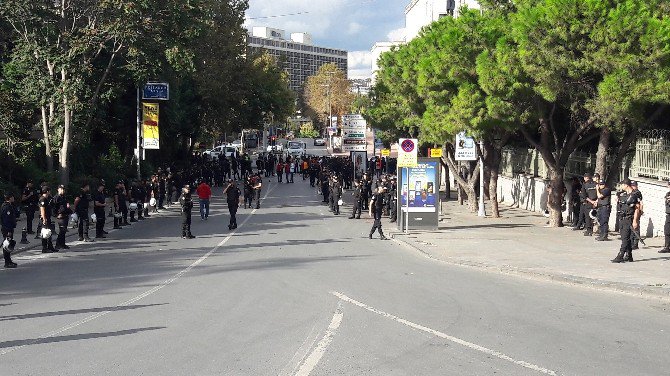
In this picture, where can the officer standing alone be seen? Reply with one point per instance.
(62, 212)
(29, 204)
(99, 210)
(45, 204)
(358, 200)
(186, 202)
(232, 194)
(376, 208)
(604, 209)
(590, 202)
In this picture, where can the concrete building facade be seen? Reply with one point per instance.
(297, 55)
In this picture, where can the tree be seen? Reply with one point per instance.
(307, 130)
(328, 91)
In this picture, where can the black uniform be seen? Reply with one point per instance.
(336, 195)
(393, 202)
(629, 206)
(47, 204)
(119, 201)
(604, 210)
(99, 199)
(666, 228)
(589, 192)
(186, 202)
(233, 198)
(62, 213)
(377, 209)
(8, 224)
(358, 202)
(29, 205)
(82, 212)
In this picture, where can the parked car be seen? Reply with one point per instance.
(319, 142)
(217, 152)
(296, 148)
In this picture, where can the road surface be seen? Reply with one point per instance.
(298, 291)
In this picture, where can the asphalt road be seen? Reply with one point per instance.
(298, 291)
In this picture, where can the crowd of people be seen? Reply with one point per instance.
(591, 207)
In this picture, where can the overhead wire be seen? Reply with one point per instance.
(304, 12)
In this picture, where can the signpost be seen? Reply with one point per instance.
(466, 150)
(353, 133)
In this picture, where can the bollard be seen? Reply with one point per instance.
(24, 236)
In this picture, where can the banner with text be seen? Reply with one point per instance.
(150, 136)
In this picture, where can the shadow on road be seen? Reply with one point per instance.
(75, 337)
(75, 312)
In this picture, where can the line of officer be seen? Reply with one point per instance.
(358, 200)
(81, 204)
(29, 199)
(630, 214)
(62, 213)
(8, 215)
(186, 203)
(45, 204)
(666, 228)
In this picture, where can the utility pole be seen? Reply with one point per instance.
(139, 135)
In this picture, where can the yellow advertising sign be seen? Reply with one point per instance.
(150, 136)
(436, 153)
(386, 152)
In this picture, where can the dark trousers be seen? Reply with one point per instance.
(9, 235)
(99, 223)
(257, 195)
(30, 217)
(357, 208)
(377, 226)
(666, 231)
(576, 206)
(325, 194)
(626, 232)
(185, 223)
(48, 243)
(336, 205)
(83, 225)
(161, 200)
(603, 220)
(393, 211)
(62, 231)
(232, 209)
(588, 222)
(312, 180)
(124, 214)
(366, 202)
(279, 177)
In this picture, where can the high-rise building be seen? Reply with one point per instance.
(297, 55)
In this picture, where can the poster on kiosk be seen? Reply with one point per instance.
(419, 195)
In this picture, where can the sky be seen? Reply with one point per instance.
(352, 25)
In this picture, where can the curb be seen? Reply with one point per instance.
(565, 279)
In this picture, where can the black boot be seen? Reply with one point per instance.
(619, 258)
(8, 259)
(628, 257)
(666, 248)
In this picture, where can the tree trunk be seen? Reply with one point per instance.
(555, 197)
(67, 124)
(493, 193)
(465, 185)
(613, 173)
(47, 142)
(601, 154)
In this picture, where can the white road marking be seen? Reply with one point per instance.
(313, 359)
(439, 334)
(135, 299)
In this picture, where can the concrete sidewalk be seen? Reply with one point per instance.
(520, 244)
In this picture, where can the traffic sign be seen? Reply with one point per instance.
(407, 152)
(386, 152)
(466, 149)
(354, 129)
(158, 91)
(436, 153)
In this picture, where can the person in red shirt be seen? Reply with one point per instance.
(280, 170)
(204, 194)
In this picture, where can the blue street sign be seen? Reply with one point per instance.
(159, 91)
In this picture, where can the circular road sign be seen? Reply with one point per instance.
(407, 146)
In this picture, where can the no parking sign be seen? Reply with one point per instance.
(407, 152)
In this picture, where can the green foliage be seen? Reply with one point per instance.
(307, 130)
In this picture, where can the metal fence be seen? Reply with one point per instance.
(651, 160)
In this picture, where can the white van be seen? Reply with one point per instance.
(296, 148)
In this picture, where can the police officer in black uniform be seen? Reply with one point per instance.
(232, 193)
(590, 202)
(393, 199)
(81, 204)
(666, 229)
(336, 194)
(45, 204)
(29, 205)
(119, 199)
(630, 211)
(62, 212)
(376, 208)
(257, 186)
(604, 209)
(186, 202)
(8, 214)
(358, 200)
(99, 210)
